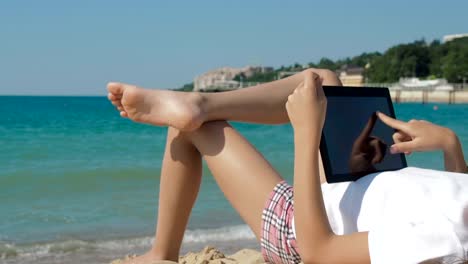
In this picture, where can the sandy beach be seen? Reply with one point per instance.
(211, 255)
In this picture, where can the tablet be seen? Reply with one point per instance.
(354, 141)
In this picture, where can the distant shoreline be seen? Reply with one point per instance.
(402, 96)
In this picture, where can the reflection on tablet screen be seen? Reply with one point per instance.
(367, 150)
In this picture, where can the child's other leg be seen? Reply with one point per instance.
(241, 172)
(179, 185)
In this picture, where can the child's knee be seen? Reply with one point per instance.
(208, 129)
(213, 126)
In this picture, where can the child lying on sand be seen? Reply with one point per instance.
(407, 216)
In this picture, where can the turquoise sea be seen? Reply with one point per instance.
(79, 184)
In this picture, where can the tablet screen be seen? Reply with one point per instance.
(354, 141)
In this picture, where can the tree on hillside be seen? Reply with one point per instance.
(326, 63)
(418, 59)
(257, 77)
(436, 50)
(186, 88)
(454, 64)
(404, 60)
(365, 58)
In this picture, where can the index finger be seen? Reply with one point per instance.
(392, 122)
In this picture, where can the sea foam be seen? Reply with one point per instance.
(31, 252)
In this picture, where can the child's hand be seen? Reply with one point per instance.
(418, 135)
(307, 105)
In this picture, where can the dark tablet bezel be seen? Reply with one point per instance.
(343, 91)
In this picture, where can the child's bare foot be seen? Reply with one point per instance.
(148, 258)
(181, 110)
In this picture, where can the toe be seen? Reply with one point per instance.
(123, 114)
(116, 103)
(111, 97)
(115, 88)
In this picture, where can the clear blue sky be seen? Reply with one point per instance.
(76, 47)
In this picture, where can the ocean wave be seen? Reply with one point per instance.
(41, 250)
(228, 233)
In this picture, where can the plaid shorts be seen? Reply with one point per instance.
(278, 242)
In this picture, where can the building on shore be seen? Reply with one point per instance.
(411, 84)
(448, 38)
(223, 78)
(351, 75)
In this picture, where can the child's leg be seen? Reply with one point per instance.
(264, 103)
(179, 184)
(241, 172)
(180, 181)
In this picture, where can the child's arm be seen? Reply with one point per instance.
(420, 135)
(317, 243)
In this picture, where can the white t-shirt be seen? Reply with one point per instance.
(411, 215)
